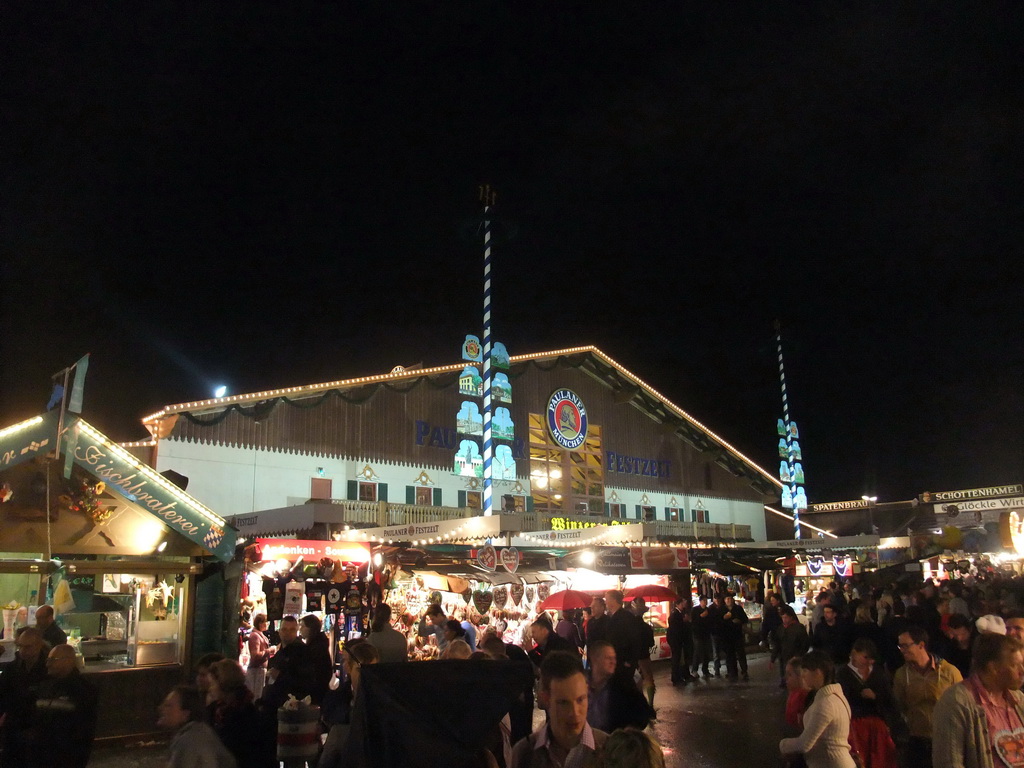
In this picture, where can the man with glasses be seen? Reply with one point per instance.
(917, 687)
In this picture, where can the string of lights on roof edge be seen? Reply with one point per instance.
(802, 522)
(20, 426)
(217, 402)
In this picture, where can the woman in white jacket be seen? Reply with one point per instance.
(824, 742)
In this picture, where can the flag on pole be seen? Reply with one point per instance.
(78, 388)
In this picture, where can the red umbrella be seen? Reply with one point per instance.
(566, 600)
(652, 592)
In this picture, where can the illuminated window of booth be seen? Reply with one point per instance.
(700, 516)
(367, 491)
(672, 513)
(425, 497)
(474, 499)
(617, 511)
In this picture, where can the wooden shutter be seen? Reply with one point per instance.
(319, 488)
(410, 494)
(462, 499)
(382, 491)
(437, 497)
(353, 490)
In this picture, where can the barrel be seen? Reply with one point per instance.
(298, 734)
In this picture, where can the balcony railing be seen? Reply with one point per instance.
(382, 513)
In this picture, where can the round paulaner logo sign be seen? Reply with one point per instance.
(567, 419)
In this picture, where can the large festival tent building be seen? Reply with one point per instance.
(399, 448)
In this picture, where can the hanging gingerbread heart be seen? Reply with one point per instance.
(516, 590)
(467, 595)
(543, 590)
(500, 595)
(529, 594)
(482, 601)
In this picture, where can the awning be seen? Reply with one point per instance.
(300, 517)
(439, 531)
(434, 580)
(814, 544)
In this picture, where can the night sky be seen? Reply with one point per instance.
(273, 194)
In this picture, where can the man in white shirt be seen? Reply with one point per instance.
(567, 740)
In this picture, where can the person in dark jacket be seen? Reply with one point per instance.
(864, 626)
(956, 648)
(613, 702)
(867, 687)
(702, 649)
(290, 670)
(235, 718)
(52, 634)
(19, 683)
(791, 641)
(320, 655)
(680, 640)
(893, 625)
(65, 714)
(832, 636)
(771, 620)
(623, 634)
(547, 640)
(597, 626)
(733, 621)
(718, 644)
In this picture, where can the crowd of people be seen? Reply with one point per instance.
(893, 677)
(48, 709)
(902, 677)
(595, 714)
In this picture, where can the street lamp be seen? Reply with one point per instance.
(871, 510)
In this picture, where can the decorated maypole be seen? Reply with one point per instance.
(487, 198)
(791, 469)
(485, 422)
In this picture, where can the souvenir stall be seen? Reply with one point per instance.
(295, 577)
(479, 582)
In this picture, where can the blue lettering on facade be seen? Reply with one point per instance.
(447, 437)
(636, 465)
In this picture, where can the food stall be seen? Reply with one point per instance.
(117, 549)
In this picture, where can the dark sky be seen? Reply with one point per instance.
(267, 194)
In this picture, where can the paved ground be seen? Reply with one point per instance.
(710, 724)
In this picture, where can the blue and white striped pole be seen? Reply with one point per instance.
(487, 197)
(789, 432)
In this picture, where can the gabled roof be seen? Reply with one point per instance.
(129, 480)
(627, 386)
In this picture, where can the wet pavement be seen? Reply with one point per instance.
(712, 724)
